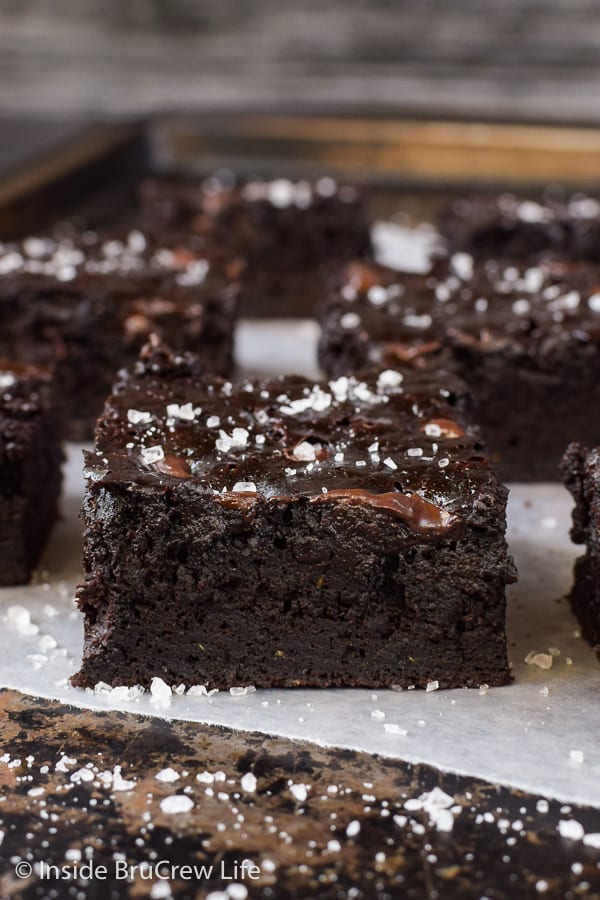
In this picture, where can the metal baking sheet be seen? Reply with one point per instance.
(538, 734)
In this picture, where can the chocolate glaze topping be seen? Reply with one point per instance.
(387, 440)
(24, 392)
(22, 388)
(146, 280)
(492, 306)
(518, 228)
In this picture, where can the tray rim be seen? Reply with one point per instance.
(414, 153)
(436, 151)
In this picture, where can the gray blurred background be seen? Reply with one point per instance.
(501, 58)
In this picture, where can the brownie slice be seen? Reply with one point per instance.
(581, 475)
(285, 533)
(285, 230)
(511, 227)
(526, 339)
(85, 304)
(30, 467)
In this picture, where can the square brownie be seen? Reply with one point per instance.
(284, 230)
(30, 467)
(511, 227)
(85, 305)
(525, 339)
(286, 533)
(581, 475)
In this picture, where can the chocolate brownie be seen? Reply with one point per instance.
(526, 339)
(30, 467)
(285, 533)
(511, 227)
(581, 474)
(285, 230)
(86, 304)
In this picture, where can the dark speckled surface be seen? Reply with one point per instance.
(295, 826)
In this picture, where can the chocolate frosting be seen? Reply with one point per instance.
(389, 441)
(461, 305)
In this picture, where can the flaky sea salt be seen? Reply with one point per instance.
(161, 692)
(160, 890)
(594, 302)
(248, 782)
(393, 728)
(138, 417)
(194, 273)
(176, 804)
(184, 411)
(377, 295)
(350, 320)
(238, 439)
(81, 775)
(521, 307)
(543, 660)
(317, 400)
(530, 211)
(299, 792)
(437, 804)
(47, 643)
(353, 828)
(305, 452)
(412, 320)
(167, 775)
(242, 691)
(280, 192)
(389, 378)
(462, 264)
(119, 783)
(571, 829)
(152, 454)
(19, 618)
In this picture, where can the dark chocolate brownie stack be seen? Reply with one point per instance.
(510, 227)
(525, 338)
(30, 467)
(285, 230)
(85, 305)
(285, 533)
(581, 474)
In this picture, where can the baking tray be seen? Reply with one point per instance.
(539, 734)
(411, 165)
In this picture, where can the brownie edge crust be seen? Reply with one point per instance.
(30, 467)
(286, 533)
(581, 475)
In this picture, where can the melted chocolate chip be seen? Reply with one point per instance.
(422, 515)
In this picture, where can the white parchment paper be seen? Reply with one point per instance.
(539, 734)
